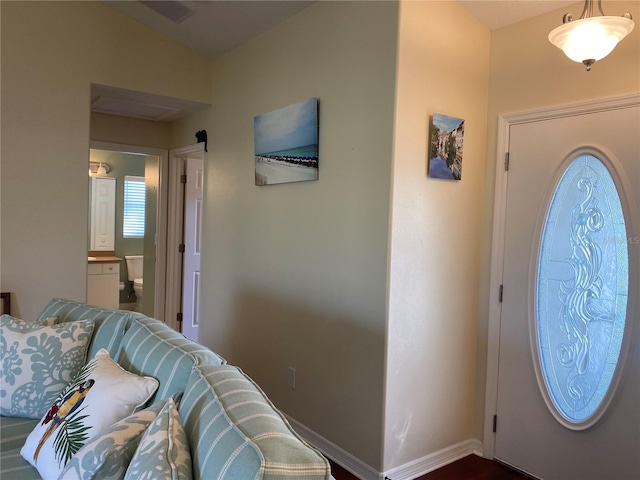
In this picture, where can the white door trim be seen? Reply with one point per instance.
(175, 225)
(497, 245)
(161, 218)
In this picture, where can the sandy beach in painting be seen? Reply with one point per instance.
(271, 170)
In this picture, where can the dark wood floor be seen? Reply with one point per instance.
(468, 468)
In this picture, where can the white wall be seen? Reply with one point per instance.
(51, 52)
(295, 274)
(443, 67)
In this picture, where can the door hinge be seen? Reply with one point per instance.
(500, 292)
(183, 179)
(181, 248)
(506, 162)
(179, 319)
(495, 423)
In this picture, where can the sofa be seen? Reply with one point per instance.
(231, 429)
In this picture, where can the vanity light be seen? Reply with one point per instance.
(590, 38)
(98, 169)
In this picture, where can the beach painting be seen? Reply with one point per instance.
(445, 147)
(286, 144)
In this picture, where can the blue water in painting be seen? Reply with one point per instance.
(307, 151)
(438, 169)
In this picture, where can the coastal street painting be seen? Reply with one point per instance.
(286, 144)
(445, 150)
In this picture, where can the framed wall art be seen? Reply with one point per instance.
(445, 147)
(286, 144)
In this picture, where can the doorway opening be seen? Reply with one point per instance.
(150, 163)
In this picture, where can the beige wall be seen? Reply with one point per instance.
(528, 72)
(443, 67)
(130, 131)
(328, 277)
(295, 274)
(51, 52)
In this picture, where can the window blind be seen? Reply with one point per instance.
(134, 196)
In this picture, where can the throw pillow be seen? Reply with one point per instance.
(163, 453)
(100, 395)
(38, 360)
(107, 456)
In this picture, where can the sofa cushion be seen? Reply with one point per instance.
(150, 347)
(163, 453)
(107, 456)
(110, 325)
(101, 395)
(14, 431)
(235, 431)
(13, 466)
(37, 362)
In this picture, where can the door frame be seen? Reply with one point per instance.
(175, 230)
(161, 217)
(505, 121)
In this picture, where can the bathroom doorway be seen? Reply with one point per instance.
(130, 165)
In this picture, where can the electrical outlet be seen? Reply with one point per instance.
(291, 377)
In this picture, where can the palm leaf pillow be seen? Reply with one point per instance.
(100, 395)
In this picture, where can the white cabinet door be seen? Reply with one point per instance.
(103, 213)
(102, 284)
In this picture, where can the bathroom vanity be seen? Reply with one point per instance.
(103, 279)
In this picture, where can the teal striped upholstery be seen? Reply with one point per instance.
(152, 348)
(110, 325)
(12, 465)
(235, 432)
(15, 431)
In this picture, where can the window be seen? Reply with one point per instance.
(582, 285)
(133, 218)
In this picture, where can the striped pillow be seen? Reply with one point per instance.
(236, 432)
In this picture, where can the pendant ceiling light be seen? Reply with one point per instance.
(592, 37)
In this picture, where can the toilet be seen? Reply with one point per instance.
(134, 274)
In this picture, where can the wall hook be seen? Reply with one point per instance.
(201, 136)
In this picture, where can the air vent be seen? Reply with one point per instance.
(173, 10)
(126, 108)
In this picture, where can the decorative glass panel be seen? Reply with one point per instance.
(582, 286)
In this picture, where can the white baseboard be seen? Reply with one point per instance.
(408, 471)
(335, 453)
(435, 460)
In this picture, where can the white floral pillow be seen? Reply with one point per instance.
(100, 395)
(163, 453)
(38, 361)
(107, 456)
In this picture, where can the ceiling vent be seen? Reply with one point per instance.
(173, 10)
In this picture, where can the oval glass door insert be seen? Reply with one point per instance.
(581, 291)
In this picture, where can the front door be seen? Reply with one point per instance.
(569, 371)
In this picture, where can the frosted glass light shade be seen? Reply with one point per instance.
(590, 38)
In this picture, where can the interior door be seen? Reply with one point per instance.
(532, 431)
(103, 213)
(192, 246)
